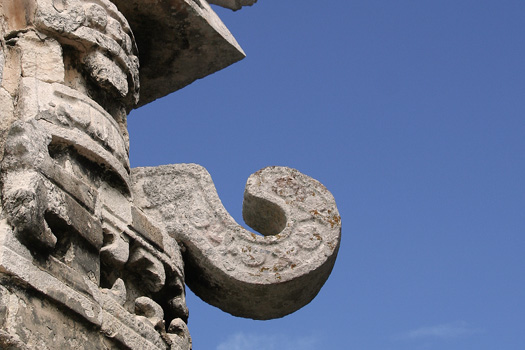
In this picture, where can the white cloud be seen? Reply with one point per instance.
(443, 331)
(243, 341)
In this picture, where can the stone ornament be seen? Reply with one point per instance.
(94, 254)
(246, 274)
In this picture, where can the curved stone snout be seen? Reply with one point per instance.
(248, 275)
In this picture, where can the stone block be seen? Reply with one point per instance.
(75, 187)
(143, 225)
(41, 58)
(67, 214)
(115, 251)
(149, 267)
(179, 42)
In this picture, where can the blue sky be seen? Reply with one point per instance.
(412, 114)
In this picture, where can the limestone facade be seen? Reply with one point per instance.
(94, 254)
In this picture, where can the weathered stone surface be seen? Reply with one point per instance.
(85, 194)
(144, 226)
(90, 250)
(69, 214)
(68, 74)
(43, 321)
(115, 251)
(179, 335)
(243, 273)
(7, 116)
(41, 58)
(117, 292)
(2, 59)
(150, 310)
(149, 267)
(184, 37)
(99, 307)
(106, 73)
(24, 202)
(10, 342)
(88, 27)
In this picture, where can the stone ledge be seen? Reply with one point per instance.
(179, 42)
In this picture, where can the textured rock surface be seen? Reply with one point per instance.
(243, 273)
(90, 250)
(75, 252)
(184, 37)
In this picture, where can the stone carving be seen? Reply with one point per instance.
(90, 245)
(258, 276)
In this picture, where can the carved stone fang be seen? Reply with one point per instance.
(244, 273)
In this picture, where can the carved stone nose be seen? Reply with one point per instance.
(243, 273)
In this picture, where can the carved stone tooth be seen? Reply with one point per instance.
(179, 335)
(118, 292)
(143, 225)
(151, 269)
(149, 309)
(115, 252)
(176, 294)
(96, 16)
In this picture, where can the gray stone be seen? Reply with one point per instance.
(115, 251)
(150, 310)
(118, 292)
(184, 37)
(95, 255)
(241, 272)
(146, 228)
(10, 342)
(41, 58)
(149, 267)
(179, 335)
